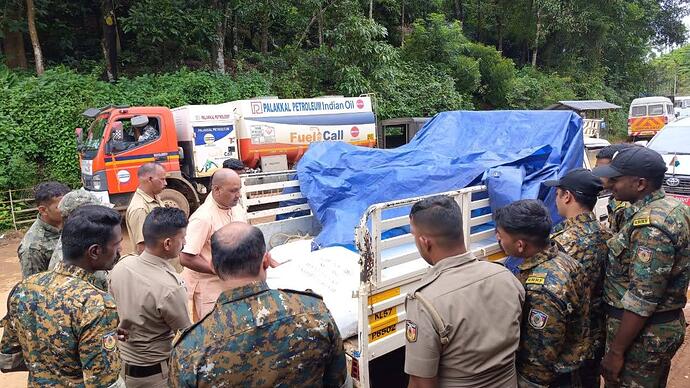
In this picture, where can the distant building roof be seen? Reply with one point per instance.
(583, 105)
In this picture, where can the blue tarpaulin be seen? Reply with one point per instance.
(513, 152)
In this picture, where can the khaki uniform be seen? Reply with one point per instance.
(152, 304)
(63, 329)
(258, 337)
(647, 273)
(139, 207)
(203, 289)
(37, 247)
(480, 304)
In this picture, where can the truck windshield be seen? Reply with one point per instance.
(674, 140)
(89, 146)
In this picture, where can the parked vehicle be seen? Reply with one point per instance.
(673, 143)
(389, 266)
(592, 147)
(193, 141)
(393, 133)
(681, 106)
(648, 115)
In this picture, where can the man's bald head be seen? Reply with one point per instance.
(237, 251)
(150, 169)
(223, 176)
(225, 187)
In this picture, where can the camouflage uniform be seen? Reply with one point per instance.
(291, 337)
(648, 273)
(67, 205)
(37, 247)
(618, 212)
(584, 239)
(554, 327)
(63, 329)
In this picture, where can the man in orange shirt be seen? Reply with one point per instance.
(220, 208)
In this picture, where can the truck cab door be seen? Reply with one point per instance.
(125, 155)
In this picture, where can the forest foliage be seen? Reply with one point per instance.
(415, 57)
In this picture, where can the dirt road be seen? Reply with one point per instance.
(10, 275)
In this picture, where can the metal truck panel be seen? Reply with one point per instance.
(287, 127)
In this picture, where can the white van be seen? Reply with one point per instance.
(648, 115)
(673, 143)
(682, 106)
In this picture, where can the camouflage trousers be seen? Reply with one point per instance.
(648, 359)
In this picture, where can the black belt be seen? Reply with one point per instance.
(142, 371)
(656, 318)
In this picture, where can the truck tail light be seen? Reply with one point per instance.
(354, 370)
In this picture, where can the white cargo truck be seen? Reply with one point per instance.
(388, 268)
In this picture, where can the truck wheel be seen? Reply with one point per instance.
(172, 198)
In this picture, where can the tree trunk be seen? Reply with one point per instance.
(499, 26)
(457, 5)
(402, 23)
(235, 34)
(371, 9)
(109, 39)
(31, 19)
(320, 25)
(479, 20)
(264, 33)
(13, 41)
(536, 39)
(218, 46)
(13, 47)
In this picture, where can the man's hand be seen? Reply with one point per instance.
(611, 366)
(122, 334)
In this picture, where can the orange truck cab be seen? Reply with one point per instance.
(191, 142)
(648, 115)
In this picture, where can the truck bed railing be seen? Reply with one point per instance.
(268, 196)
(391, 267)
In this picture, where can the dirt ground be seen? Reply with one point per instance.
(10, 275)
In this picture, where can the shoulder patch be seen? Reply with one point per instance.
(110, 341)
(536, 279)
(537, 319)
(307, 292)
(411, 331)
(644, 254)
(621, 205)
(642, 221)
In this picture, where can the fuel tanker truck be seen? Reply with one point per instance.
(191, 142)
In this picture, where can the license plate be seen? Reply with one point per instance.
(683, 198)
